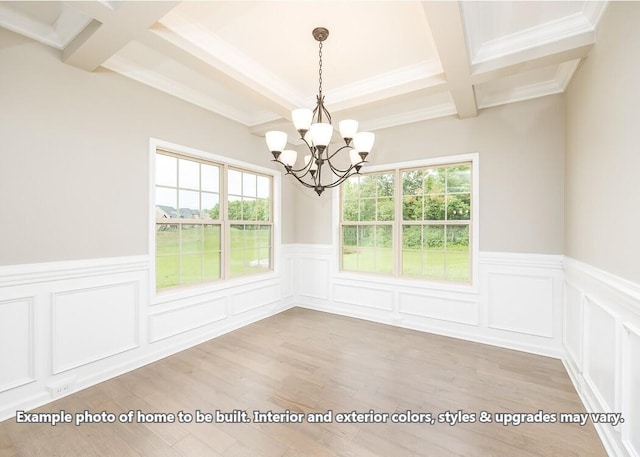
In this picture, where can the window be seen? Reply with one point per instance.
(367, 228)
(413, 222)
(249, 211)
(211, 221)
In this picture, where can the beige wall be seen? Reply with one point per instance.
(73, 162)
(74, 155)
(521, 173)
(602, 182)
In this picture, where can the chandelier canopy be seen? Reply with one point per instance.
(315, 130)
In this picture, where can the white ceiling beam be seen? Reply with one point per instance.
(445, 21)
(111, 30)
(165, 42)
(534, 58)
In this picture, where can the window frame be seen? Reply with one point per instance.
(396, 277)
(225, 163)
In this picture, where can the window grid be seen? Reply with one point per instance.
(443, 252)
(367, 230)
(249, 222)
(193, 245)
(431, 229)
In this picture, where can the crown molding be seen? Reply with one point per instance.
(132, 69)
(518, 94)
(217, 52)
(420, 76)
(593, 11)
(408, 117)
(565, 73)
(534, 37)
(68, 25)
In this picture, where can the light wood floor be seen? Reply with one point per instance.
(306, 361)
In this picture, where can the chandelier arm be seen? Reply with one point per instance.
(306, 169)
(329, 157)
(292, 171)
(306, 184)
(339, 181)
(338, 171)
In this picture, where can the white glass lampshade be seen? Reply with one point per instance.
(348, 128)
(307, 158)
(363, 141)
(321, 134)
(276, 140)
(288, 157)
(354, 157)
(308, 139)
(302, 118)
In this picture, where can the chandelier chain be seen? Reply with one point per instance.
(320, 69)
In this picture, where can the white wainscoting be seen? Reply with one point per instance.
(602, 350)
(16, 342)
(81, 322)
(67, 325)
(517, 302)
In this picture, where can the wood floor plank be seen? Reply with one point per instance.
(304, 361)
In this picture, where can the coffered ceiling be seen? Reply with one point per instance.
(385, 63)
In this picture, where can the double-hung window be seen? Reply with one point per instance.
(212, 221)
(414, 221)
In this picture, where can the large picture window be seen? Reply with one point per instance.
(413, 222)
(212, 221)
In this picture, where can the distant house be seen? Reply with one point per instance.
(188, 213)
(165, 212)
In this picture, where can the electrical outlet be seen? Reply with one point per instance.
(61, 389)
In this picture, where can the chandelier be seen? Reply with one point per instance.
(315, 130)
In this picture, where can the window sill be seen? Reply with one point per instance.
(425, 285)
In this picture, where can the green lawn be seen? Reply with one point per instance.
(201, 254)
(432, 264)
(250, 253)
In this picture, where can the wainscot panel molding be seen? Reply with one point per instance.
(602, 349)
(74, 324)
(516, 303)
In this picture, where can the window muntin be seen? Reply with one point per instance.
(429, 237)
(367, 228)
(196, 240)
(436, 217)
(249, 200)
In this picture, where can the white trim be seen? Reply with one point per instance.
(407, 117)
(55, 296)
(155, 143)
(620, 299)
(423, 72)
(67, 26)
(627, 332)
(630, 289)
(181, 326)
(432, 161)
(551, 32)
(522, 259)
(449, 310)
(32, 273)
(31, 371)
